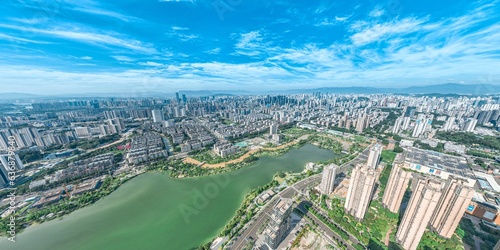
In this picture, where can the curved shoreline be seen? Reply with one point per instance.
(243, 157)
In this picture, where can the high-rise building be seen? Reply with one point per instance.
(362, 123)
(419, 128)
(5, 168)
(82, 132)
(374, 156)
(426, 192)
(451, 207)
(469, 125)
(273, 129)
(406, 123)
(177, 97)
(449, 124)
(118, 122)
(396, 187)
(360, 191)
(279, 223)
(348, 124)
(397, 125)
(410, 111)
(157, 115)
(328, 179)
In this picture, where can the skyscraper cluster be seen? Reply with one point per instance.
(433, 202)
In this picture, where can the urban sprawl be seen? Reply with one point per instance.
(415, 170)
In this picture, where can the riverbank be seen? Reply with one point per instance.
(118, 220)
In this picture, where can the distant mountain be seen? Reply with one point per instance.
(447, 88)
(14, 95)
(453, 88)
(214, 92)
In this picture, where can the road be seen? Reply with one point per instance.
(324, 228)
(251, 231)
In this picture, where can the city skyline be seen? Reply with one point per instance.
(82, 47)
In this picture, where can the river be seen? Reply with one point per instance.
(154, 211)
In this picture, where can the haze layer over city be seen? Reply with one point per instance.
(228, 124)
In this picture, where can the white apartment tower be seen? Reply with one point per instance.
(328, 179)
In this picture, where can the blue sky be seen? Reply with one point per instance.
(90, 46)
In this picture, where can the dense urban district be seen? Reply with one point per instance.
(411, 172)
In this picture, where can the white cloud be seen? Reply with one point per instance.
(106, 13)
(376, 12)
(249, 40)
(90, 37)
(123, 58)
(152, 64)
(342, 19)
(213, 51)
(86, 57)
(187, 37)
(252, 44)
(19, 39)
(376, 32)
(179, 28)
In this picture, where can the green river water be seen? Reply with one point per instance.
(154, 211)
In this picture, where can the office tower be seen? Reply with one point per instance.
(328, 179)
(397, 125)
(451, 207)
(360, 191)
(157, 115)
(410, 111)
(279, 223)
(177, 97)
(469, 125)
(396, 187)
(426, 192)
(177, 111)
(184, 99)
(273, 129)
(374, 156)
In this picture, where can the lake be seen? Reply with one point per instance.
(154, 211)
